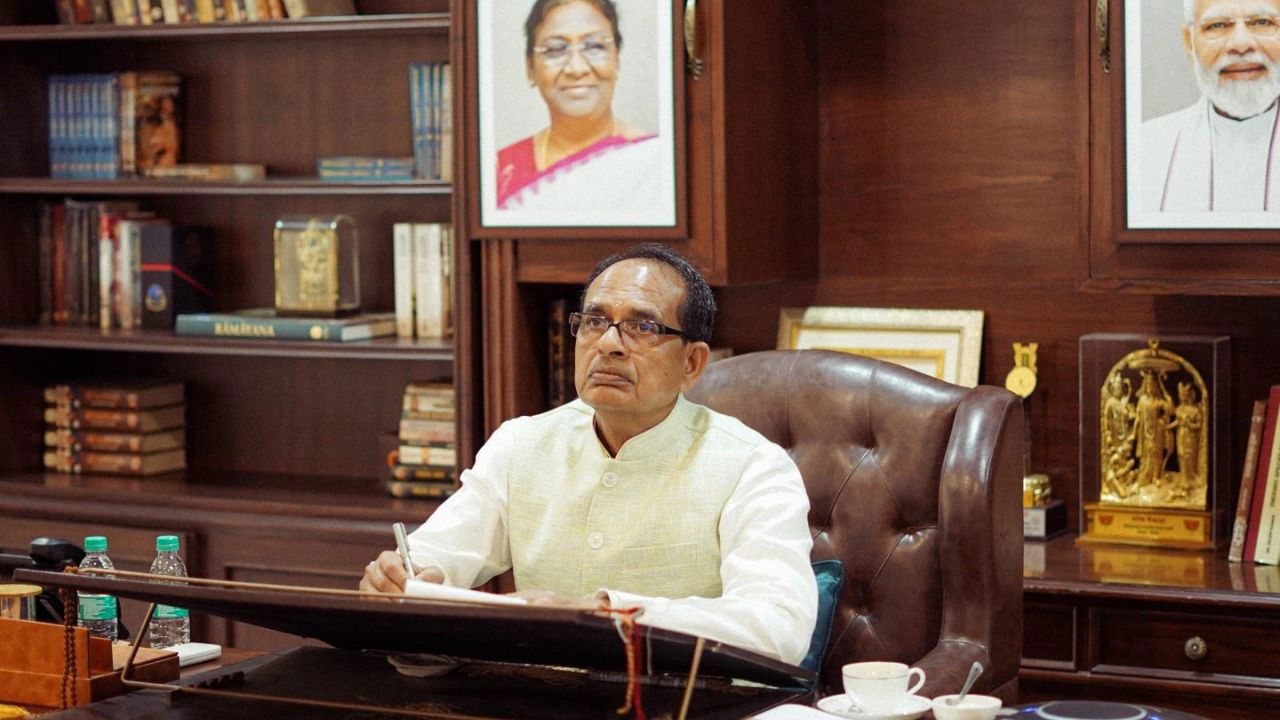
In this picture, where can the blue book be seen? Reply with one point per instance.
(265, 324)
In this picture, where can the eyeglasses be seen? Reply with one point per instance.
(1219, 28)
(555, 53)
(641, 332)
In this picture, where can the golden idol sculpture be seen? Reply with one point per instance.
(317, 265)
(1154, 452)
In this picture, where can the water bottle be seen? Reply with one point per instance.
(170, 625)
(97, 612)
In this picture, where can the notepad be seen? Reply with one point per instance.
(436, 591)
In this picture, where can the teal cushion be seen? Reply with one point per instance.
(830, 577)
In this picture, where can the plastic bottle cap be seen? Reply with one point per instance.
(167, 543)
(95, 543)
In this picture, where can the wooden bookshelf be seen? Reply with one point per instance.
(125, 187)
(284, 418)
(328, 26)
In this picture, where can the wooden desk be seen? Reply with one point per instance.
(1188, 631)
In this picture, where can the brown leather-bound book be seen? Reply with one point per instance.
(116, 463)
(121, 420)
(123, 394)
(1238, 530)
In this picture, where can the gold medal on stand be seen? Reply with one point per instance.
(1154, 454)
(1042, 515)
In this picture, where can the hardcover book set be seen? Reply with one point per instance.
(115, 428)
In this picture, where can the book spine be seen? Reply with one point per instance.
(421, 473)
(74, 419)
(75, 240)
(90, 265)
(66, 12)
(124, 12)
(446, 125)
(277, 9)
(101, 11)
(46, 262)
(109, 398)
(402, 261)
(59, 263)
(426, 261)
(1267, 449)
(74, 441)
(417, 126)
(1248, 472)
(432, 455)
(410, 489)
(556, 317)
(1268, 542)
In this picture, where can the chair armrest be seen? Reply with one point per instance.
(947, 665)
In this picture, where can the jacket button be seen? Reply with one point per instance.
(609, 480)
(595, 540)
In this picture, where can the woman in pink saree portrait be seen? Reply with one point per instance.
(585, 153)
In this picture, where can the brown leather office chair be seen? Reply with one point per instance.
(915, 485)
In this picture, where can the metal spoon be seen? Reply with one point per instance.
(974, 672)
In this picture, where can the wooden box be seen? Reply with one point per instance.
(32, 663)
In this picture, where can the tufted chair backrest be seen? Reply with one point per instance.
(915, 485)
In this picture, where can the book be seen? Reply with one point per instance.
(136, 421)
(419, 473)
(1247, 474)
(432, 455)
(176, 266)
(428, 280)
(79, 440)
(131, 395)
(420, 489)
(264, 323)
(116, 463)
(402, 262)
(423, 432)
(157, 119)
(218, 172)
(312, 8)
(1267, 458)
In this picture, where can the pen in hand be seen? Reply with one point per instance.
(402, 547)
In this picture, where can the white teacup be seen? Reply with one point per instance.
(879, 687)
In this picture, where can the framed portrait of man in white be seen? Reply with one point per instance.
(576, 114)
(1201, 125)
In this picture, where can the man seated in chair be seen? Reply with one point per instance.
(632, 496)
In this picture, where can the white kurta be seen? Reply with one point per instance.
(700, 521)
(1195, 160)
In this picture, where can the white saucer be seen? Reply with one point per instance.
(910, 709)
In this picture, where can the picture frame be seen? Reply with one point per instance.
(1174, 105)
(630, 183)
(945, 344)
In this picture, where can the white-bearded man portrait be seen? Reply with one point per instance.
(1220, 153)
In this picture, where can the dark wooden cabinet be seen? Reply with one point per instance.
(1188, 631)
(280, 93)
(269, 529)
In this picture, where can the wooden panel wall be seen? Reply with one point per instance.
(951, 146)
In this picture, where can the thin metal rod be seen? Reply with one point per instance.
(693, 676)
(238, 584)
(137, 642)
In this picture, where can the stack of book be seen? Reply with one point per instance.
(116, 428)
(157, 12)
(109, 125)
(422, 260)
(1255, 536)
(431, 105)
(109, 265)
(423, 464)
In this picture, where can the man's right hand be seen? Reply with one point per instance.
(387, 574)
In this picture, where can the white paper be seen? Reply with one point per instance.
(436, 591)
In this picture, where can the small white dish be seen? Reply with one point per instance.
(842, 706)
(972, 707)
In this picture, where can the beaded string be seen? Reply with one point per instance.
(70, 686)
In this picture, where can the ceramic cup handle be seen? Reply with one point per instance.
(919, 682)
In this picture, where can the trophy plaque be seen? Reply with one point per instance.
(1154, 440)
(317, 265)
(1042, 516)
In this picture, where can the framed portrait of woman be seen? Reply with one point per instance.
(575, 124)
